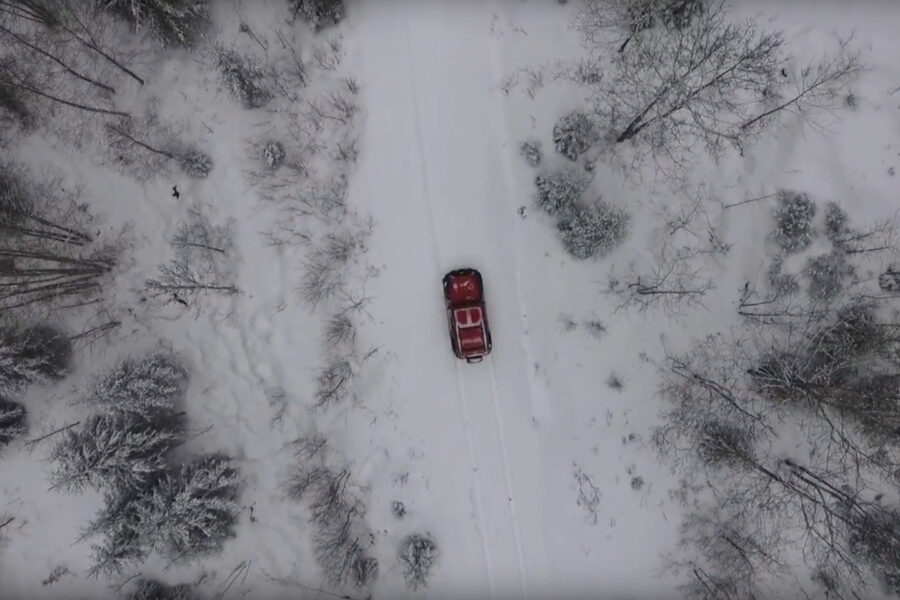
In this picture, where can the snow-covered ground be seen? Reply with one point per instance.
(535, 477)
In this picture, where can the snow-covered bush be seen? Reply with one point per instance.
(318, 12)
(340, 331)
(780, 283)
(151, 589)
(826, 275)
(113, 452)
(889, 281)
(530, 150)
(242, 78)
(195, 164)
(149, 386)
(793, 220)
(37, 354)
(573, 134)
(559, 191)
(334, 382)
(337, 519)
(14, 112)
(593, 231)
(835, 222)
(418, 554)
(723, 444)
(171, 21)
(322, 272)
(191, 513)
(12, 421)
(272, 154)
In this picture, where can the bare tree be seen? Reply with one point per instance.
(815, 88)
(677, 276)
(46, 255)
(23, 76)
(729, 399)
(141, 148)
(701, 82)
(201, 263)
(77, 24)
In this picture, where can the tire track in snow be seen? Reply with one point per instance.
(504, 455)
(461, 395)
(510, 181)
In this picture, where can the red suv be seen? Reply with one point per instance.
(470, 335)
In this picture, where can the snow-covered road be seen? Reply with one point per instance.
(431, 82)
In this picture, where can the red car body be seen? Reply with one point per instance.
(470, 335)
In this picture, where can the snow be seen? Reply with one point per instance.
(489, 459)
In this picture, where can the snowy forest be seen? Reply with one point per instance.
(225, 369)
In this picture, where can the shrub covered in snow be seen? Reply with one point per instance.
(318, 12)
(530, 150)
(272, 154)
(171, 21)
(723, 444)
(573, 134)
(242, 78)
(12, 421)
(14, 111)
(781, 284)
(148, 387)
(37, 354)
(113, 452)
(151, 589)
(418, 554)
(793, 220)
(593, 231)
(826, 275)
(889, 281)
(559, 191)
(195, 164)
(835, 222)
(337, 519)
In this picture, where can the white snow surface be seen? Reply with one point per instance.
(483, 456)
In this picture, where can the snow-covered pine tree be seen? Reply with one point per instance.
(559, 191)
(242, 78)
(150, 386)
(191, 513)
(417, 555)
(318, 12)
(12, 421)
(593, 231)
(38, 354)
(119, 524)
(175, 22)
(151, 589)
(113, 452)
